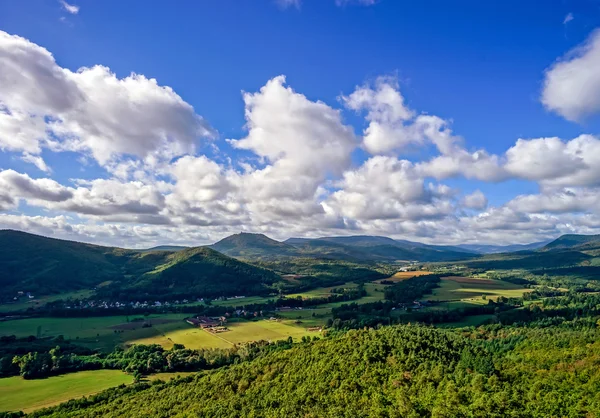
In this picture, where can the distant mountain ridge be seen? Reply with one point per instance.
(247, 245)
(378, 248)
(165, 248)
(493, 249)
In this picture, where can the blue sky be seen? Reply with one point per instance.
(481, 67)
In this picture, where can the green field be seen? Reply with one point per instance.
(472, 290)
(321, 292)
(93, 332)
(99, 332)
(249, 300)
(17, 393)
(181, 333)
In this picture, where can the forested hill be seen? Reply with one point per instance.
(41, 265)
(399, 371)
(573, 241)
(253, 246)
(202, 271)
(46, 265)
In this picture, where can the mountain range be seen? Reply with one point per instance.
(242, 263)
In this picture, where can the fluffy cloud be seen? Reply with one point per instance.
(475, 200)
(91, 110)
(556, 163)
(387, 188)
(392, 125)
(572, 84)
(296, 175)
(302, 143)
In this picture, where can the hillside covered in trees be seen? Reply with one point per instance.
(40, 265)
(400, 371)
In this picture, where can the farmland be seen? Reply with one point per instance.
(472, 290)
(107, 332)
(17, 393)
(403, 275)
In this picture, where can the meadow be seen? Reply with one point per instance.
(472, 290)
(17, 393)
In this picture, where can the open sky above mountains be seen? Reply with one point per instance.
(137, 124)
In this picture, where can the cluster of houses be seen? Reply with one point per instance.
(95, 304)
(21, 294)
(211, 324)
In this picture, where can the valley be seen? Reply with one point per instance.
(299, 300)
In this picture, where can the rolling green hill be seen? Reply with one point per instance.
(203, 271)
(573, 241)
(41, 265)
(32, 263)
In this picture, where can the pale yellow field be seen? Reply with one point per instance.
(403, 275)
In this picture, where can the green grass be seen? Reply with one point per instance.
(245, 331)
(17, 393)
(249, 300)
(321, 292)
(93, 332)
(375, 293)
(182, 333)
(473, 290)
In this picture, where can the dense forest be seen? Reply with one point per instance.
(399, 371)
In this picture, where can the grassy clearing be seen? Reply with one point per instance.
(321, 292)
(306, 316)
(375, 293)
(473, 289)
(17, 393)
(245, 331)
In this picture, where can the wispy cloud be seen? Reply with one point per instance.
(289, 3)
(340, 3)
(568, 18)
(70, 8)
(362, 2)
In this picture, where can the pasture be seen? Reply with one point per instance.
(322, 292)
(472, 290)
(17, 393)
